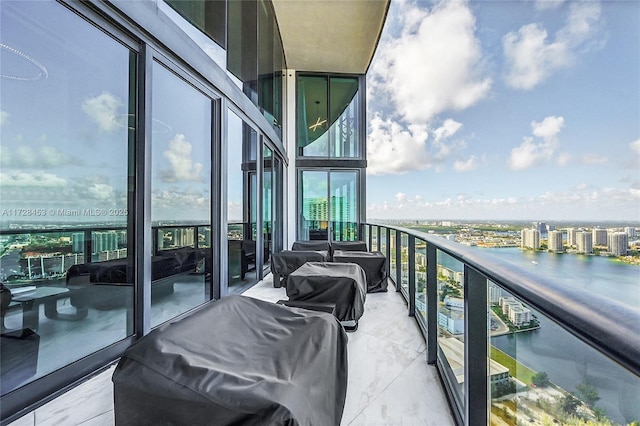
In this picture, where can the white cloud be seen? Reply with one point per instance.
(393, 148)
(38, 179)
(564, 159)
(466, 166)
(101, 191)
(448, 129)
(594, 159)
(532, 152)
(27, 157)
(182, 166)
(635, 146)
(103, 109)
(559, 205)
(4, 118)
(531, 57)
(434, 66)
(548, 4)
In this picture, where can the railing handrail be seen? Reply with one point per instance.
(611, 327)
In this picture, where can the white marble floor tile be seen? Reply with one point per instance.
(373, 365)
(82, 403)
(413, 398)
(106, 419)
(389, 380)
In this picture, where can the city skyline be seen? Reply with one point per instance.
(505, 111)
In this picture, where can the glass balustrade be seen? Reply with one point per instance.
(537, 370)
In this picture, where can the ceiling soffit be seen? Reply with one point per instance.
(337, 36)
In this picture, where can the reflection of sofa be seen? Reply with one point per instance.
(119, 273)
(242, 258)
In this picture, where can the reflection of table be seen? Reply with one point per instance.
(374, 265)
(344, 284)
(31, 300)
(285, 262)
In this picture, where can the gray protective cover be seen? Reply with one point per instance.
(374, 265)
(287, 261)
(236, 361)
(344, 284)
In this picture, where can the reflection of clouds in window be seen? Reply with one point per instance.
(182, 166)
(27, 157)
(4, 118)
(100, 191)
(36, 179)
(103, 109)
(234, 211)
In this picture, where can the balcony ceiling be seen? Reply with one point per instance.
(337, 36)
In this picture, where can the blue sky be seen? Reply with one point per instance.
(506, 110)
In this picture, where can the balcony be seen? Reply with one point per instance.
(388, 375)
(463, 328)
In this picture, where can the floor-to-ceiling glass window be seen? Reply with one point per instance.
(314, 207)
(67, 128)
(180, 195)
(343, 207)
(328, 111)
(267, 203)
(241, 202)
(328, 205)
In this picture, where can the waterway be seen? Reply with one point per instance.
(551, 349)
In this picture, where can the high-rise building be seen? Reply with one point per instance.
(584, 242)
(571, 237)
(618, 243)
(104, 241)
(555, 242)
(630, 231)
(77, 242)
(530, 238)
(599, 237)
(540, 227)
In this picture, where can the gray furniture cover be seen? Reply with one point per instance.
(285, 262)
(311, 245)
(374, 265)
(344, 284)
(348, 246)
(236, 361)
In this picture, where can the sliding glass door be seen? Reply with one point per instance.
(328, 205)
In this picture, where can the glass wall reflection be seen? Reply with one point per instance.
(540, 373)
(180, 195)
(67, 129)
(328, 111)
(451, 344)
(241, 202)
(267, 204)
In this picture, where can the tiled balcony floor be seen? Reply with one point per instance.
(389, 381)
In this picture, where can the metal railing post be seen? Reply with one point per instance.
(432, 303)
(412, 275)
(475, 348)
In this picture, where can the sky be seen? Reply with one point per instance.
(505, 110)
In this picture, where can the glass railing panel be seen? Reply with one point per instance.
(404, 265)
(393, 241)
(420, 259)
(365, 236)
(375, 246)
(542, 374)
(383, 241)
(451, 343)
